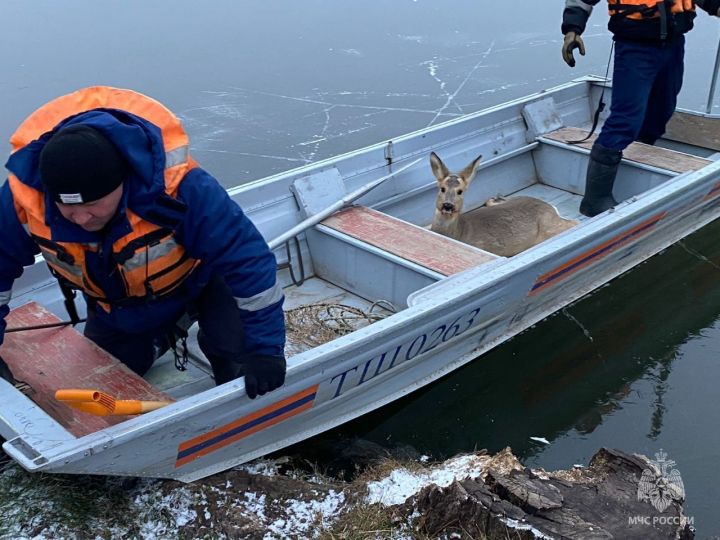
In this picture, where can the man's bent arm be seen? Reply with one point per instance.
(17, 250)
(217, 231)
(576, 15)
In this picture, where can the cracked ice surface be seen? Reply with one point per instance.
(241, 133)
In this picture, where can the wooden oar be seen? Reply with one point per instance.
(339, 205)
(102, 404)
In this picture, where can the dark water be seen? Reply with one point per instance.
(633, 366)
(266, 86)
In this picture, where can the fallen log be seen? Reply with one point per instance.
(612, 498)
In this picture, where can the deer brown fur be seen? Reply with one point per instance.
(504, 227)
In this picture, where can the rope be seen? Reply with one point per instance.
(601, 104)
(43, 326)
(316, 324)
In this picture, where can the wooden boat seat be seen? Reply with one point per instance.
(55, 358)
(410, 242)
(655, 156)
(695, 129)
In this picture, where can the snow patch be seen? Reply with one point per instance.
(402, 484)
(514, 524)
(260, 467)
(176, 504)
(306, 516)
(255, 504)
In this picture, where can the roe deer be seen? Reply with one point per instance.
(504, 227)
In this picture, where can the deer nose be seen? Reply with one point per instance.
(448, 207)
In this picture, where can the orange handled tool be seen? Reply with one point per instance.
(102, 404)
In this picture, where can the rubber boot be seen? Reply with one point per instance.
(601, 173)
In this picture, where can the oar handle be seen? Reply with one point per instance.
(76, 395)
(133, 406)
(102, 404)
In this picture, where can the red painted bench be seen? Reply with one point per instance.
(56, 358)
(410, 242)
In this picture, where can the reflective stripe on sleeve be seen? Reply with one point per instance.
(582, 4)
(261, 300)
(5, 297)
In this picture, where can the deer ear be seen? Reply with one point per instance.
(468, 173)
(438, 167)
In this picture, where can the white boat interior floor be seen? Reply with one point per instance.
(179, 384)
(198, 375)
(566, 203)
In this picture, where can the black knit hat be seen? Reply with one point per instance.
(80, 165)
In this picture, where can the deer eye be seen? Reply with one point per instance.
(442, 190)
(459, 191)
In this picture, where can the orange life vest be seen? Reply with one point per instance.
(149, 260)
(647, 9)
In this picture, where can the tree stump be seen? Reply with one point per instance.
(601, 501)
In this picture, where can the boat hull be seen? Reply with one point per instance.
(446, 325)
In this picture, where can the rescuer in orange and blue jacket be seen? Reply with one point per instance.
(647, 76)
(101, 184)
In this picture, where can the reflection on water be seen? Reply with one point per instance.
(633, 366)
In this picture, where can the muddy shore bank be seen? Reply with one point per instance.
(469, 496)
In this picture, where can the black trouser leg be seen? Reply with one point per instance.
(221, 336)
(136, 351)
(601, 173)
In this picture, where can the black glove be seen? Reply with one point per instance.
(571, 42)
(263, 374)
(5, 372)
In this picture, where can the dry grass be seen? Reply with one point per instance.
(363, 521)
(96, 507)
(384, 468)
(366, 522)
(83, 504)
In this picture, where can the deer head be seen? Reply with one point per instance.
(450, 195)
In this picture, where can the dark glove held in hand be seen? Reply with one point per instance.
(263, 374)
(5, 372)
